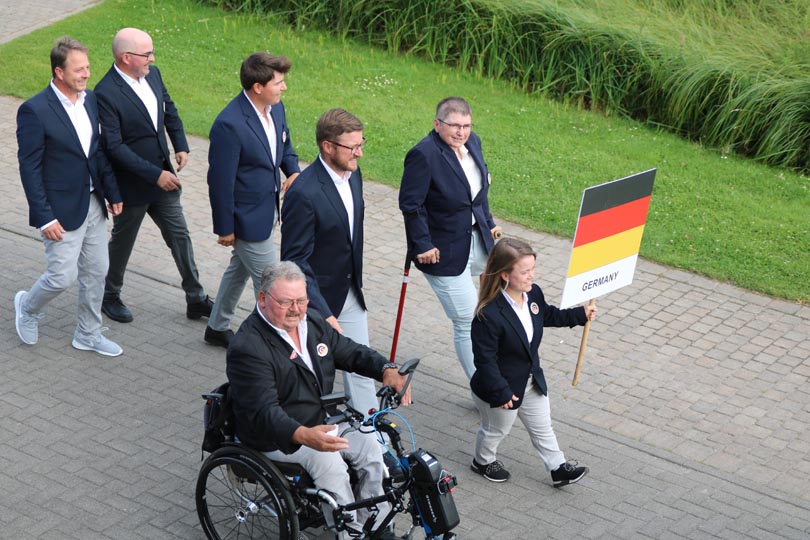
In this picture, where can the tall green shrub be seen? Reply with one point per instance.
(541, 49)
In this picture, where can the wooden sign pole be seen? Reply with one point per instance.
(582, 345)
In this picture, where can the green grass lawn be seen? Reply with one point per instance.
(718, 215)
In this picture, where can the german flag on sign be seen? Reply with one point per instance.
(608, 237)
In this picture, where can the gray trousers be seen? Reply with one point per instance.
(353, 319)
(167, 213)
(534, 412)
(330, 470)
(248, 260)
(82, 255)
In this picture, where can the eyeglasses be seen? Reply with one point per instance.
(143, 55)
(354, 149)
(463, 127)
(287, 304)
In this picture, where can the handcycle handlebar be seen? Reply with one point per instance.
(391, 400)
(388, 398)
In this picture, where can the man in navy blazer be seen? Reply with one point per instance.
(136, 112)
(322, 232)
(250, 147)
(66, 178)
(449, 228)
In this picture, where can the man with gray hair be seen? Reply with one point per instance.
(66, 178)
(322, 231)
(279, 364)
(448, 225)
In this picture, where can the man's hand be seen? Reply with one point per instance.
(333, 322)
(53, 232)
(288, 182)
(168, 181)
(511, 403)
(392, 378)
(497, 232)
(182, 159)
(227, 241)
(319, 438)
(430, 256)
(115, 209)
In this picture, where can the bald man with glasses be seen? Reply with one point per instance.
(136, 113)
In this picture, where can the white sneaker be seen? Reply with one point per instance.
(27, 325)
(98, 344)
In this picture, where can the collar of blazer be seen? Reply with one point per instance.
(256, 126)
(331, 193)
(130, 94)
(276, 341)
(59, 110)
(511, 317)
(451, 158)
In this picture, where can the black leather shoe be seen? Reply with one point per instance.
(220, 338)
(199, 309)
(116, 310)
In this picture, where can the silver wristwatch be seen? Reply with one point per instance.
(389, 365)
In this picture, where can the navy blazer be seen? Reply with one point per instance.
(273, 393)
(438, 207)
(55, 172)
(243, 182)
(315, 235)
(504, 358)
(138, 152)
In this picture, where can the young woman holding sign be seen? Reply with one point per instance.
(508, 381)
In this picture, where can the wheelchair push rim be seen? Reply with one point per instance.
(238, 498)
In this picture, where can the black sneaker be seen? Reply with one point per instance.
(494, 472)
(568, 473)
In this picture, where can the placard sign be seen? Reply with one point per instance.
(608, 237)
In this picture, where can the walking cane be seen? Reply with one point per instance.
(405, 274)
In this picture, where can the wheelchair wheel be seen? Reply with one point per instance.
(240, 495)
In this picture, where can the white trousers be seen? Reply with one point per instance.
(534, 412)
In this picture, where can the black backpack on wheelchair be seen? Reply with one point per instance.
(218, 419)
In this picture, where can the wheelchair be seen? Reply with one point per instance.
(240, 493)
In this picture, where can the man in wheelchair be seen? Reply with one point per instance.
(279, 364)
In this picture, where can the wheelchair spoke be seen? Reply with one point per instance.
(236, 501)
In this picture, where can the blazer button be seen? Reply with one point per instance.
(348, 276)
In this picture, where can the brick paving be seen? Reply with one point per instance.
(692, 409)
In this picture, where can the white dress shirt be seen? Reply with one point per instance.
(145, 93)
(268, 125)
(471, 171)
(522, 313)
(81, 123)
(345, 192)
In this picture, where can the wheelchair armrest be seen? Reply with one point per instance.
(333, 399)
